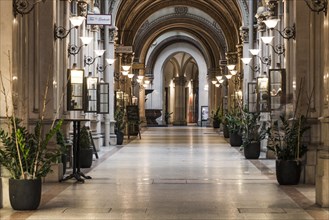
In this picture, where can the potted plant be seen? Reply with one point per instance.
(63, 148)
(119, 125)
(253, 133)
(226, 131)
(86, 150)
(27, 158)
(234, 125)
(216, 117)
(285, 139)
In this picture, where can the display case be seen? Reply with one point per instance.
(277, 88)
(252, 97)
(103, 98)
(263, 98)
(75, 89)
(90, 104)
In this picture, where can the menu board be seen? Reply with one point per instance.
(132, 113)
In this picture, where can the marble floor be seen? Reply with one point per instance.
(176, 173)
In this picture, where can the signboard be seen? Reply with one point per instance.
(133, 120)
(124, 49)
(99, 19)
(132, 113)
(204, 114)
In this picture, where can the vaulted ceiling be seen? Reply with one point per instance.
(211, 26)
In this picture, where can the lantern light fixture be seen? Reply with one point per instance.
(126, 67)
(109, 62)
(24, 7)
(61, 32)
(263, 60)
(228, 76)
(230, 67)
(286, 33)
(317, 5)
(246, 61)
(219, 77)
(278, 49)
(74, 50)
(90, 60)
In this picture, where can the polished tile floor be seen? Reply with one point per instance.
(176, 173)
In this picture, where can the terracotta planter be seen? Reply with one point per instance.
(252, 150)
(25, 194)
(235, 140)
(288, 172)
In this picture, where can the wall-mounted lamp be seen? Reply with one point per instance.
(230, 67)
(24, 7)
(90, 60)
(74, 49)
(109, 62)
(278, 49)
(61, 33)
(228, 76)
(286, 33)
(317, 5)
(263, 60)
(126, 67)
(246, 61)
(219, 78)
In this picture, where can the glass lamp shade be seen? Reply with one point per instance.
(76, 21)
(217, 85)
(230, 67)
(214, 82)
(219, 77)
(254, 52)
(228, 76)
(267, 40)
(271, 23)
(147, 82)
(99, 53)
(233, 72)
(130, 75)
(110, 61)
(246, 60)
(140, 77)
(125, 73)
(86, 40)
(221, 81)
(125, 68)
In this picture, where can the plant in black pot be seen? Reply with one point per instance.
(119, 117)
(234, 124)
(253, 132)
(216, 117)
(63, 149)
(285, 139)
(86, 150)
(27, 158)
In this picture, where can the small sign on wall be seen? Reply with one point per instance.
(99, 19)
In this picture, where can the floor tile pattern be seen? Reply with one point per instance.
(176, 173)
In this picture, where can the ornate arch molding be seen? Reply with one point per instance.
(243, 5)
(175, 39)
(218, 36)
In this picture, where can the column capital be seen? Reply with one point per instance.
(231, 57)
(244, 34)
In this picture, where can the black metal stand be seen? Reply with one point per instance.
(77, 174)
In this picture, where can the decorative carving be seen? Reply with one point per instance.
(82, 8)
(181, 10)
(180, 80)
(261, 15)
(112, 3)
(244, 34)
(271, 6)
(232, 57)
(113, 34)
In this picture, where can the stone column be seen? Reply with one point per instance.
(232, 58)
(110, 36)
(180, 111)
